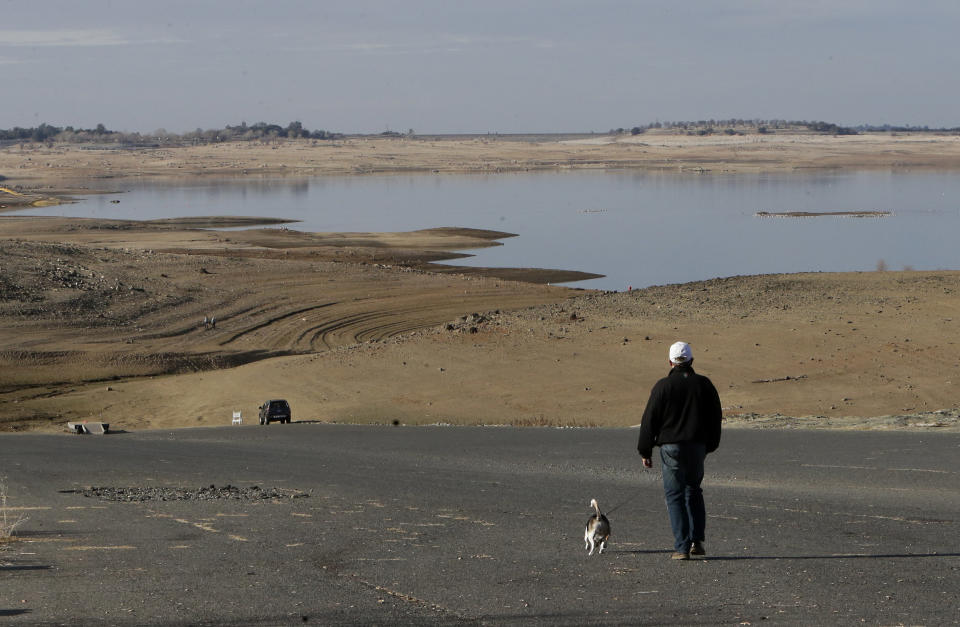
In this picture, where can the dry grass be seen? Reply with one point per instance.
(8, 521)
(546, 421)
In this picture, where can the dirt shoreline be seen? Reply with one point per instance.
(103, 319)
(61, 168)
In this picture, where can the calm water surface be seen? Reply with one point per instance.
(638, 229)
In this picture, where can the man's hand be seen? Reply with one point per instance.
(646, 462)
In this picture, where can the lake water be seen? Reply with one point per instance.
(638, 229)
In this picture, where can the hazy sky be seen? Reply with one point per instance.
(480, 66)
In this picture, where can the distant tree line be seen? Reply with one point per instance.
(740, 126)
(46, 132)
(261, 131)
(887, 128)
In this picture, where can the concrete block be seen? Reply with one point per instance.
(99, 428)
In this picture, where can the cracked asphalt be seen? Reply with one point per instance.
(464, 526)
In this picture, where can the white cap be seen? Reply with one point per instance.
(680, 353)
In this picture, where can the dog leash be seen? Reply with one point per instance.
(624, 502)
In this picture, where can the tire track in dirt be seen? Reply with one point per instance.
(355, 328)
(299, 332)
(339, 323)
(378, 321)
(271, 323)
(186, 329)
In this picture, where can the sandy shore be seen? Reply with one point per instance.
(58, 167)
(103, 320)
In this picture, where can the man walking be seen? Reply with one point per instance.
(683, 418)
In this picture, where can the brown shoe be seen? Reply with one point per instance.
(680, 556)
(697, 549)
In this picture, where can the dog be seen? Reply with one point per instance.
(598, 530)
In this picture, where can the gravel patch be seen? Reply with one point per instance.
(211, 493)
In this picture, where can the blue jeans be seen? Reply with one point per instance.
(682, 474)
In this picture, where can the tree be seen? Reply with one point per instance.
(295, 129)
(44, 132)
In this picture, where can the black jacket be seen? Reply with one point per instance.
(683, 407)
